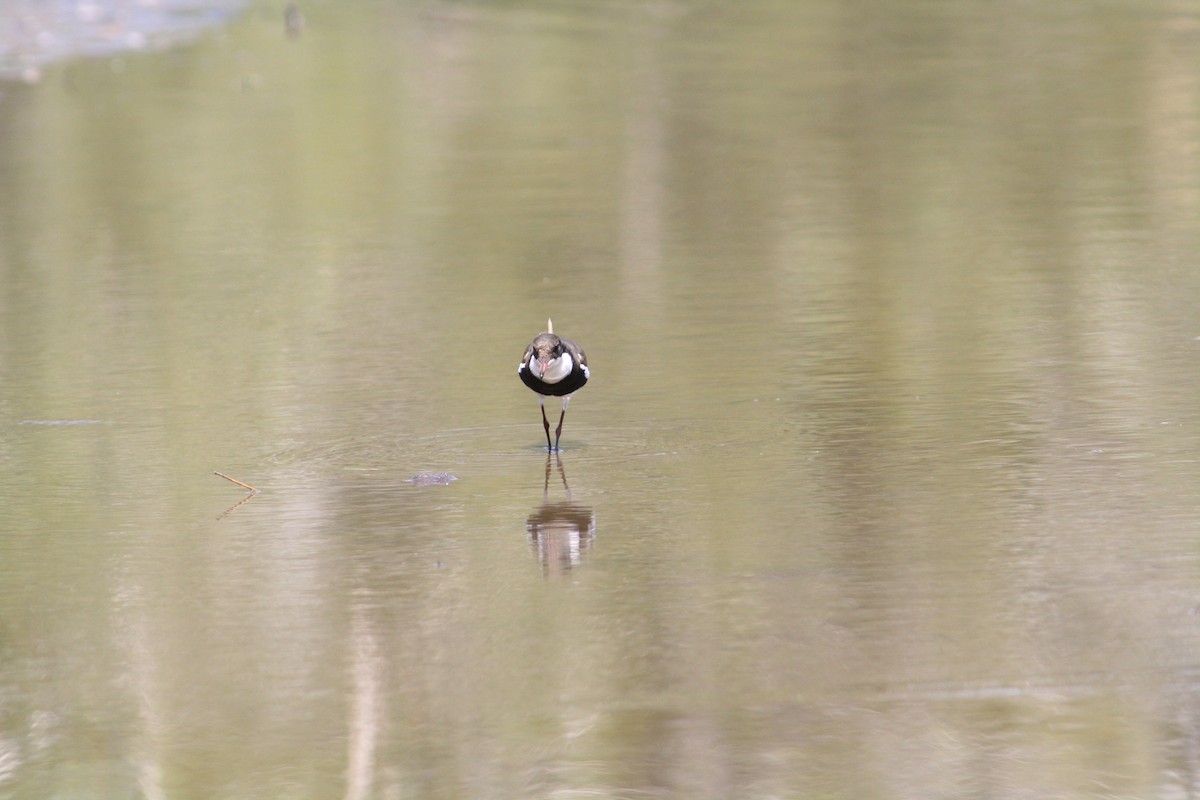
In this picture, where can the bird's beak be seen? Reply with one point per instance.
(542, 366)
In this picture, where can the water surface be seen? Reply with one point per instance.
(884, 484)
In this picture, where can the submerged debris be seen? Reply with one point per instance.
(293, 20)
(432, 479)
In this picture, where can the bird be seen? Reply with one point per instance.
(553, 367)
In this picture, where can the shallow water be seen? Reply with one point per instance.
(884, 484)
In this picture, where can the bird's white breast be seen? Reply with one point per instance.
(559, 368)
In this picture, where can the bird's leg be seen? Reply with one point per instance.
(546, 425)
(558, 430)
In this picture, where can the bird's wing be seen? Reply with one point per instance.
(575, 350)
(525, 358)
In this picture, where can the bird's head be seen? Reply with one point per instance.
(548, 359)
(547, 350)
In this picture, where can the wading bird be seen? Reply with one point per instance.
(553, 367)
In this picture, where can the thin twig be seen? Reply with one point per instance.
(235, 480)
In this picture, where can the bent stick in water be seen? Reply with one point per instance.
(235, 480)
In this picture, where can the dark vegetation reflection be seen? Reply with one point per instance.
(561, 532)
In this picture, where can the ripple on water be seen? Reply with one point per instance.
(469, 454)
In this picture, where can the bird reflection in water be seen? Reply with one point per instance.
(562, 532)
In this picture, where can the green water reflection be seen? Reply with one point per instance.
(883, 486)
